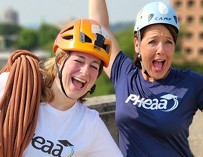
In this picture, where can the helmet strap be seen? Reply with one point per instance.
(60, 76)
(139, 51)
(92, 89)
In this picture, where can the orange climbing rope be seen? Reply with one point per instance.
(20, 102)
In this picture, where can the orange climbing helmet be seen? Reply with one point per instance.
(87, 36)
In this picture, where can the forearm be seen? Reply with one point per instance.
(98, 12)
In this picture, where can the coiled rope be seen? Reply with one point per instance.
(20, 102)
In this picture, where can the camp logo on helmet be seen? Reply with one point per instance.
(163, 18)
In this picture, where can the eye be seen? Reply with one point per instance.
(96, 67)
(169, 42)
(78, 61)
(153, 42)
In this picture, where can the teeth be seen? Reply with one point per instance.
(159, 60)
(78, 79)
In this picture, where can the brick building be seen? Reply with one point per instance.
(190, 14)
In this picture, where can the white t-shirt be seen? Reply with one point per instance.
(77, 132)
(3, 79)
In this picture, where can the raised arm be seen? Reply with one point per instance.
(98, 12)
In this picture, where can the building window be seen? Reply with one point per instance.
(189, 35)
(201, 51)
(179, 19)
(190, 4)
(178, 4)
(190, 19)
(188, 51)
(201, 19)
(201, 36)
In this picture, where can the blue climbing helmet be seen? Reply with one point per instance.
(156, 13)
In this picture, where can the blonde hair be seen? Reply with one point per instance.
(49, 72)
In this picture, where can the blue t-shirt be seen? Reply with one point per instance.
(153, 118)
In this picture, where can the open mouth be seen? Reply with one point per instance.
(158, 64)
(78, 83)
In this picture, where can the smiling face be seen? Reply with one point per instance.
(157, 49)
(79, 74)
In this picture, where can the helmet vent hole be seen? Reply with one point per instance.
(84, 38)
(68, 29)
(70, 37)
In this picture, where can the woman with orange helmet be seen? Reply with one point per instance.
(65, 126)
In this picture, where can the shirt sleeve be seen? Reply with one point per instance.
(196, 80)
(103, 144)
(200, 100)
(121, 66)
(3, 80)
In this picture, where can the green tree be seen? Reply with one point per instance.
(9, 29)
(27, 39)
(125, 39)
(47, 34)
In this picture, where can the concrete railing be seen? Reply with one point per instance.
(105, 105)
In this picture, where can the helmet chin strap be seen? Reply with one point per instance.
(60, 77)
(146, 73)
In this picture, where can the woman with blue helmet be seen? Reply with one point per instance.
(155, 103)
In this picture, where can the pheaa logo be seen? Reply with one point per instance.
(54, 149)
(166, 102)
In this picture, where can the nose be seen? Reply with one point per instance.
(160, 49)
(85, 70)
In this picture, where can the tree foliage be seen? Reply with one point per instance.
(27, 39)
(9, 29)
(47, 34)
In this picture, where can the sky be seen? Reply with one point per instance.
(34, 12)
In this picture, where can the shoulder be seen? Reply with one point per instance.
(182, 73)
(87, 112)
(4, 77)
(3, 80)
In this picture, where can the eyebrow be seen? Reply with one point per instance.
(84, 58)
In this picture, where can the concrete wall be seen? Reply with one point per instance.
(105, 105)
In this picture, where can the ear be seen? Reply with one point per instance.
(136, 45)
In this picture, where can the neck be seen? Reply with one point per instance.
(151, 79)
(60, 101)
